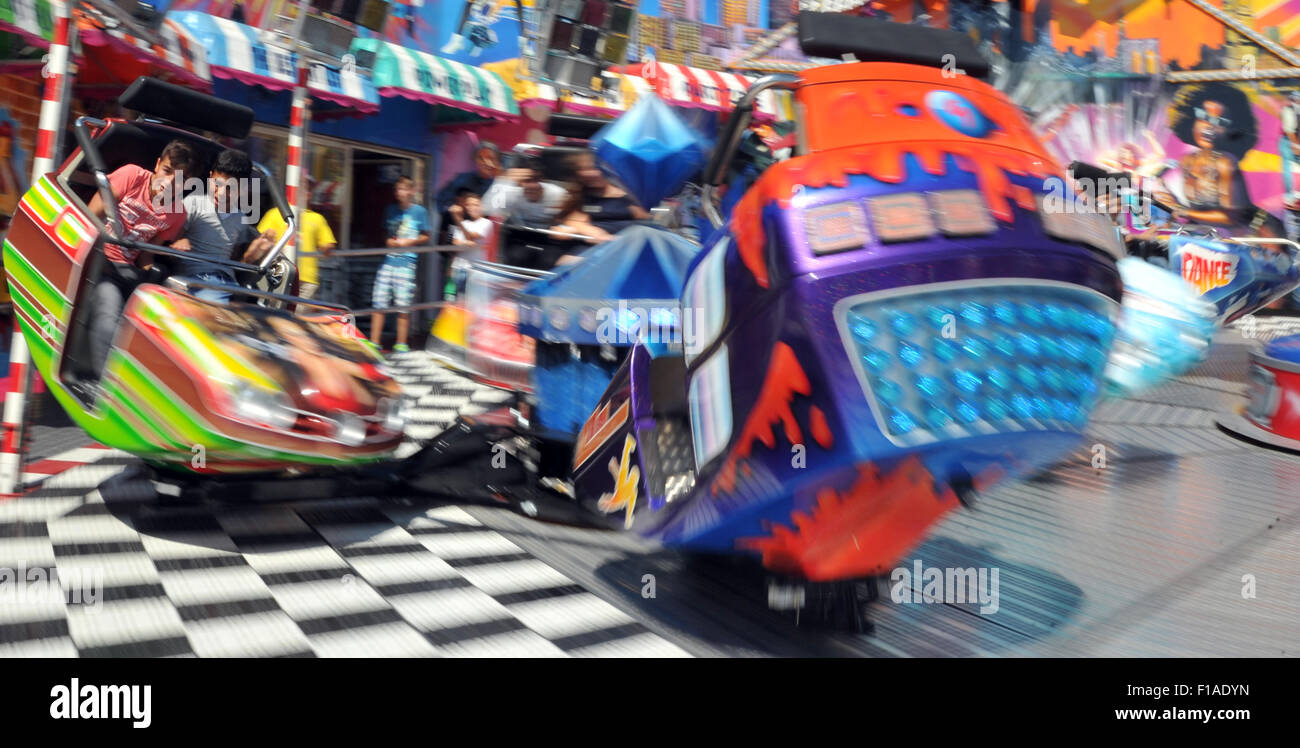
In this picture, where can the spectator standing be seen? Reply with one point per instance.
(407, 225)
(314, 236)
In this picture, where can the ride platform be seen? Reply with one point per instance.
(1161, 535)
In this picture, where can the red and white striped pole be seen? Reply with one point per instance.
(49, 135)
(295, 192)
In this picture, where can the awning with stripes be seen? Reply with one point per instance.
(31, 19)
(412, 74)
(235, 52)
(169, 53)
(718, 91)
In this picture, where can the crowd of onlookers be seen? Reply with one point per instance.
(589, 205)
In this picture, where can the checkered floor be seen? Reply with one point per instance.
(111, 572)
(1143, 558)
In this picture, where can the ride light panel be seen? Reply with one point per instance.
(836, 227)
(1018, 357)
(902, 217)
(962, 213)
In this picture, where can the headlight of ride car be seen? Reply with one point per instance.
(263, 407)
(351, 430)
(395, 413)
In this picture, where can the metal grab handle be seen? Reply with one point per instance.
(290, 220)
(548, 232)
(378, 251)
(99, 170)
(169, 252)
(737, 124)
(1263, 240)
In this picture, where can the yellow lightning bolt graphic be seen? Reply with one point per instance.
(626, 475)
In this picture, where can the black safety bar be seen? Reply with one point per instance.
(189, 284)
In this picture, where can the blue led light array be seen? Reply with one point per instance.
(958, 362)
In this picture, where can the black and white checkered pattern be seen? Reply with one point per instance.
(356, 577)
(439, 395)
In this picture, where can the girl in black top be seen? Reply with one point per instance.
(597, 208)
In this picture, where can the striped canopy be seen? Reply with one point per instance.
(412, 74)
(31, 19)
(235, 52)
(680, 85)
(168, 51)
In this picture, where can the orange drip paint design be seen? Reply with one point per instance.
(863, 531)
(785, 379)
(751, 239)
(820, 431)
(886, 162)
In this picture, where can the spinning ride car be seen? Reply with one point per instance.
(886, 321)
(190, 386)
(1237, 274)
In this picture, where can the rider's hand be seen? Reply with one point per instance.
(182, 245)
(456, 213)
(258, 248)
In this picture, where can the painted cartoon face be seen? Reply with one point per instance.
(1210, 124)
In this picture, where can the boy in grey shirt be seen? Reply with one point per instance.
(215, 226)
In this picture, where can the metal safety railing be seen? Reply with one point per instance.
(351, 283)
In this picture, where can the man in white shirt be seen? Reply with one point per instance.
(538, 203)
(521, 198)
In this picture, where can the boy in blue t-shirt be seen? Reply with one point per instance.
(407, 225)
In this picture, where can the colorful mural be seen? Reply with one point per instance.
(1180, 93)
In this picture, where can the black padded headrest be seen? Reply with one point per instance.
(872, 40)
(166, 101)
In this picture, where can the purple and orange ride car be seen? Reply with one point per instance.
(887, 321)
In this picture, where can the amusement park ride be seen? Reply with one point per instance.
(884, 324)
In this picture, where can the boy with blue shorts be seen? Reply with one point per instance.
(407, 225)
